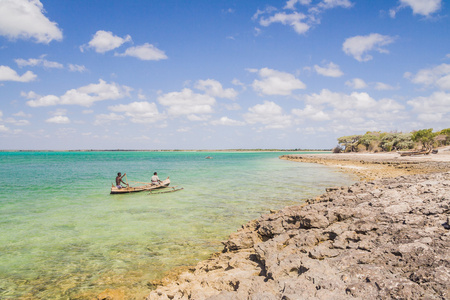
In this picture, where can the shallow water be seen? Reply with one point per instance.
(63, 236)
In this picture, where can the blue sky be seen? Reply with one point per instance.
(219, 74)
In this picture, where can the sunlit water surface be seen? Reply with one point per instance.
(63, 236)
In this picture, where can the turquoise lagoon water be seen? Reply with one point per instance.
(63, 236)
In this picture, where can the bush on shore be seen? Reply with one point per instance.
(377, 141)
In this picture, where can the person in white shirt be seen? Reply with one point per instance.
(155, 179)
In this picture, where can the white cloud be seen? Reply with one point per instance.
(389, 105)
(380, 86)
(214, 88)
(144, 52)
(228, 11)
(232, 106)
(48, 100)
(198, 118)
(8, 74)
(419, 7)
(438, 76)
(431, 118)
(184, 129)
(141, 95)
(393, 12)
(59, 112)
(58, 120)
(438, 102)
(227, 122)
(276, 83)
(269, 114)
(237, 82)
(444, 82)
(292, 19)
(267, 10)
(340, 101)
(187, 102)
(84, 96)
(312, 113)
(39, 62)
(327, 4)
(17, 122)
(312, 130)
(423, 7)
(42, 62)
(290, 4)
(359, 101)
(351, 112)
(20, 114)
(104, 41)
(107, 118)
(139, 112)
(29, 95)
(77, 68)
(358, 46)
(330, 70)
(300, 22)
(24, 19)
(3, 128)
(356, 83)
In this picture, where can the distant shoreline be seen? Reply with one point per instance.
(175, 150)
(372, 166)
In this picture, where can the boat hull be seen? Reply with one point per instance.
(148, 187)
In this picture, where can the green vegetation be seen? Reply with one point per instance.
(424, 136)
(377, 141)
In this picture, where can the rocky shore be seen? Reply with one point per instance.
(381, 239)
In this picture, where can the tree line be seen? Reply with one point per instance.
(377, 141)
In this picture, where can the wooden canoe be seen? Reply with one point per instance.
(147, 187)
(412, 153)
